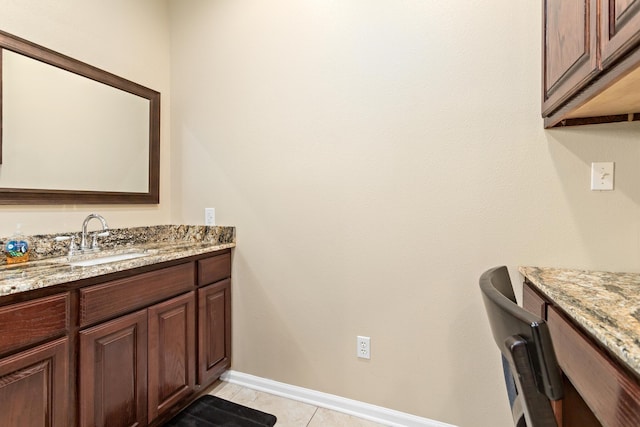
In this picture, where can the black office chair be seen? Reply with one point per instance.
(531, 371)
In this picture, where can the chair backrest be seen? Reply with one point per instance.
(525, 343)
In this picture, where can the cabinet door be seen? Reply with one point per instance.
(172, 347)
(34, 388)
(569, 49)
(113, 373)
(214, 330)
(620, 28)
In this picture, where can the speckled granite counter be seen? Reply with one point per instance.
(164, 243)
(605, 304)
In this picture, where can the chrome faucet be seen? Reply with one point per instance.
(105, 232)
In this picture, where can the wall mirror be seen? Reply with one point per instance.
(71, 133)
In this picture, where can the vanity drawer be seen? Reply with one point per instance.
(35, 321)
(611, 393)
(214, 269)
(117, 297)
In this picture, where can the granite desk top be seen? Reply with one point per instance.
(48, 265)
(605, 304)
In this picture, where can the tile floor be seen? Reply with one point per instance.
(290, 413)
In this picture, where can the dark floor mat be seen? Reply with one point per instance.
(211, 411)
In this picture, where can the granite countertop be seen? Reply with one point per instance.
(48, 264)
(606, 304)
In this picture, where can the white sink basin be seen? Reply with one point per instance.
(98, 259)
(107, 259)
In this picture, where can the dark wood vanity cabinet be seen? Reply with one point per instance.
(34, 363)
(214, 317)
(113, 372)
(135, 368)
(214, 330)
(139, 347)
(590, 61)
(172, 352)
(34, 385)
(136, 365)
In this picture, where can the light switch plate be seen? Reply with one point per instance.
(602, 176)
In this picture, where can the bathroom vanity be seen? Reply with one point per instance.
(124, 343)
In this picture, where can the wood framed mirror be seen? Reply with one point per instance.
(71, 133)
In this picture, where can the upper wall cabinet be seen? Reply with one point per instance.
(619, 23)
(590, 61)
(570, 57)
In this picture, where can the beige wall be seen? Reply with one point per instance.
(127, 38)
(376, 157)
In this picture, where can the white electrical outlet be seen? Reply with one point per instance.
(602, 176)
(209, 216)
(364, 347)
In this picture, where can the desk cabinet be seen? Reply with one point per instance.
(610, 392)
(599, 389)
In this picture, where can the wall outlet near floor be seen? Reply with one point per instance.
(209, 216)
(602, 176)
(364, 347)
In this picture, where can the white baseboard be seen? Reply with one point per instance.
(378, 414)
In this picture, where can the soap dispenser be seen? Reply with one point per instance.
(17, 248)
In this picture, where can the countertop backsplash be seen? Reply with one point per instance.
(44, 245)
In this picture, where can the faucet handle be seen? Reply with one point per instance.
(94, 242)
(72, 245)
(64, 238)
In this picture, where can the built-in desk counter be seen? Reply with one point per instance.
(594, 320)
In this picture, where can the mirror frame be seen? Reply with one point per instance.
(25, 196)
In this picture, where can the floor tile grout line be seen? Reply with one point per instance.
(314, 414)
(235, 393)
